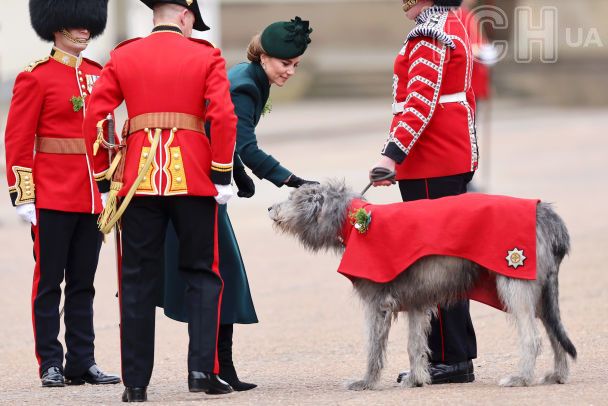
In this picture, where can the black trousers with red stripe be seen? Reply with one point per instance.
(452, 337)
(143, 235)
(66, 245)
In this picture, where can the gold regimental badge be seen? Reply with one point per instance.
(515, 258)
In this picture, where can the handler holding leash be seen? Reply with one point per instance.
(52, 184)
(274, 55)
(433, 147)
(171, 170)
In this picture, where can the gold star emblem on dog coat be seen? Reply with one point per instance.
(515, 258)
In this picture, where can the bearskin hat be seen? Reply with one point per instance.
(50, 16)
(448, 3)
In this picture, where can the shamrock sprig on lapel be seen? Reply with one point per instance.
(267, 107)
(361, 219)
(77, 103)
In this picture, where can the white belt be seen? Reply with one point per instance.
(446, 98)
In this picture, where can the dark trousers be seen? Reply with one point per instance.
(452, 337)
(143, 235)
(65, 245)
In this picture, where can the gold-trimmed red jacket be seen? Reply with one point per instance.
(166, 72)
(433, 127)
(49, 101)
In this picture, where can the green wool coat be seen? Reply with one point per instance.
(249, 89)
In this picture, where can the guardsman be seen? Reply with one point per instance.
(432, 145)
(53, 186)
(484, 53)
(169, 170)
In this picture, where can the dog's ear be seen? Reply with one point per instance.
(316, 200)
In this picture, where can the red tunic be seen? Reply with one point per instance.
(481, 72)
(166, 72)
(433, 130)
(496, 232)
(41, 107)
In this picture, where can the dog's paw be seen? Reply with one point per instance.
(514, 381)
(552, 378)
(410, 382)
(360, 385)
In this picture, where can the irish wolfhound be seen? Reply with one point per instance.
(316, 215)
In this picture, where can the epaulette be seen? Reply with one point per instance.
(92, 62)
(125, 42)
(202, 41)
(35, 64)
(434, 28)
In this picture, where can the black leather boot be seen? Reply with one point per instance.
(227, 370)
(133, 394)
(458, 372)
(209, 383)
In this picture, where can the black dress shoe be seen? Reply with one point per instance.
(94, 376)
(52, 378)
(459, 372)
(211, 384)
(132, 394)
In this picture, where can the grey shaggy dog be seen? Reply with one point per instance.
(315, 214)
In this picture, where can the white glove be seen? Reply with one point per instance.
(224, 193)
(27, 212)
(488, 55)
(104, 199)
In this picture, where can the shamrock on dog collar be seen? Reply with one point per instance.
(361, 219)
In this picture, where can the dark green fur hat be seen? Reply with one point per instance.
(286, 39)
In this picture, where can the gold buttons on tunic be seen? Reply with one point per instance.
(176, 155)
(177, 167)
(178, 179)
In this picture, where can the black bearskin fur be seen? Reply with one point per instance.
(50, 16)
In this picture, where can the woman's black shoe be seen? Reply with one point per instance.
(224, 351)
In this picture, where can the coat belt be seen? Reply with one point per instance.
(47, 145)
(165, 120)
(398, 108)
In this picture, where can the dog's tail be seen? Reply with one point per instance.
(560, 247)
(551, 315)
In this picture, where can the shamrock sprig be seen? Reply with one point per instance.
(361, 219)
(77, 103)
(267, 107)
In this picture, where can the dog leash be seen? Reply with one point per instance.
(377, 175)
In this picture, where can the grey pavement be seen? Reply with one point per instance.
(310, 340)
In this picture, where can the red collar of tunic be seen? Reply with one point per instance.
(496, 232)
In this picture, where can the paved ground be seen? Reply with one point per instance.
(310, 340)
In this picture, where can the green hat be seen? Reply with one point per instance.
(286, 40)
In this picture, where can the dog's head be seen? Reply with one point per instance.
(315, 214)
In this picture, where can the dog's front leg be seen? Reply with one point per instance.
(419, 325)
(378, 325)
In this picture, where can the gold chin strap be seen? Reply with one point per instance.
(409, 4)
(71, 38)
(112, 213)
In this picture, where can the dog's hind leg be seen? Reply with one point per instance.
(419, 325)
(560, 360)
(520, 298)
(378, 319)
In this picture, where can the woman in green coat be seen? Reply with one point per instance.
(274, 56)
